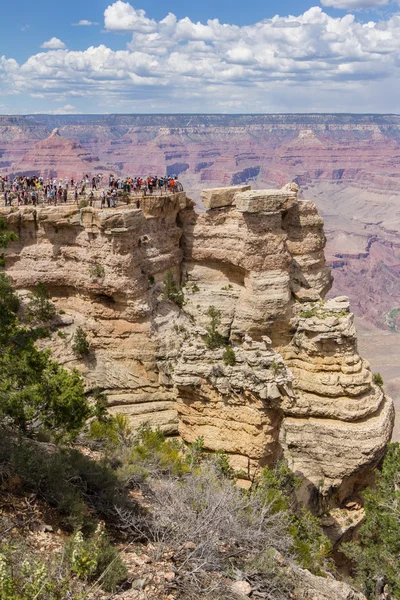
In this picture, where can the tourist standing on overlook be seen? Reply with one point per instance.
(35, 190)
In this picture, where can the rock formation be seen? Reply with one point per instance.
(292, 383)
(57, 156)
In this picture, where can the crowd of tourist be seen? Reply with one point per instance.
(24, 189)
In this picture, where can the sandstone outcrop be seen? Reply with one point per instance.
(340, 418)
(292, 383)
(61, 246)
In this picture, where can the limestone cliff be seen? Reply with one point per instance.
(296, 385)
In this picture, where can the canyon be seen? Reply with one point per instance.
(296, 386)
(347, 164)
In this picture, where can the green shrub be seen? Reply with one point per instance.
(229, 356)
(154, 453)
(151, 279)
(214, 339)
(94, 559)
(377, 379)
(275, 367)
(172, 291)
(96, 271)
(311, 546)
(307, 314)
(376, 556)
(26, 576)
(277, 485)
(40, 309)
(36, 393)
(9, 305)
(83, 203)
(111, 432)
(77, 487)
(80, 344)
(220, 461)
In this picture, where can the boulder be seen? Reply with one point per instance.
(254, 201)
(220, 197)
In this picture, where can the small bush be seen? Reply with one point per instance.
(151, 279)
(40, 309)
(221, 464)
(377, 379)
(111, 432)
(275, 367)
(311, 546)
(375, 554)
(78, 488)
(210, 524)
(154, 454)
(96, 271)
(83, 203)
(172, 291)
(229, 356)
(307, 314)
(80, 344)
(27, 576)
(214, 339)
(269, 576)
(94, 559)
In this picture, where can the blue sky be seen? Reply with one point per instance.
(206, 56)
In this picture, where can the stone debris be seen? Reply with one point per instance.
(243, 588)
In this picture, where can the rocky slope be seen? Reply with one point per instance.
(296, 386)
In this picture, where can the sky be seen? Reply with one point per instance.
(209, 56)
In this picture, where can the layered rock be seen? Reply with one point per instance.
(102, 269)
(249, 258)
(340, 420)
(260, 262)
(292, 382)
(235, 408)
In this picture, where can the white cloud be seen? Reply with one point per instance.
(121, 16)
(53, 44)
(84, 23)
(311, 61)
(354, 4)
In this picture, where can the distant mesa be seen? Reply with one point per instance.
(307, 137)
(56, 154)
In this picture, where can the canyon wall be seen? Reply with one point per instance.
(294, 384)
(348, 164)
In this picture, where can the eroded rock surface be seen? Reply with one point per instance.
(293, 383)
